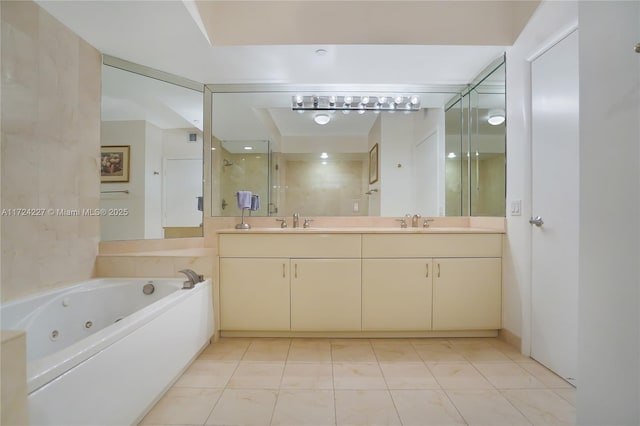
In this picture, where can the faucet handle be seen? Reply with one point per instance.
(426, 222)
(403, 222)
(307, 223)
(284, 222)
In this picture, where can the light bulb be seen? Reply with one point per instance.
(414, 100)
(299, 100)
(364, 100)
(348, 100)
(382, 100)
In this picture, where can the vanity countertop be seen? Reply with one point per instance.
(363, 230)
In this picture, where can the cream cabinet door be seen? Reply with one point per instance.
(325, 295)
(467, 294)
(254, 294)
(396, 294)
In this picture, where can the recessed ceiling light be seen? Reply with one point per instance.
(321, 52)
(248, 148)
(324, 155)
(451, 155)
(322, 119)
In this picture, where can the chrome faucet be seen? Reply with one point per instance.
(193, 278)
(414, 220)
(296, 220)
(307, 223)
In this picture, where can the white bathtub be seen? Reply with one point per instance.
(103, 352)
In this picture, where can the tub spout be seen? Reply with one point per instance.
(193, 278)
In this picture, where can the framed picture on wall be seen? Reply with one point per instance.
(373, 164)
(114, 163)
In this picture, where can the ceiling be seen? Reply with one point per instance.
(433, 43)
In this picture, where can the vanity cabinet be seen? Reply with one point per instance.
(467, 294)
(290, 282)
(325, 295)
(255, 294)
(396, 294)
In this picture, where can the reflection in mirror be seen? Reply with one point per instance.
(475, 148)
(161, 123)
(324, 169)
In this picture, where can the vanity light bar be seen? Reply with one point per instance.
(356, 103)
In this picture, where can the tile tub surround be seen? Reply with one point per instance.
(50, 151)
(282, 381)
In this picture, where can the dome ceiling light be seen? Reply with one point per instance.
(496, 117)
(321, 119)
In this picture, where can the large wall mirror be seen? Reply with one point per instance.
(440, 158)
(151, 154)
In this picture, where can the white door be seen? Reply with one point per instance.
(182, 186)
(426, 181)
(555, 184)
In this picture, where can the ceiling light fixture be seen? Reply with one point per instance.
(451, 155)
(359, 103)
(248, 148)
(496, 117)
(321, 119)
(324, 155)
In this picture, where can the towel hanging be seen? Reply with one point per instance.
(244, 199)
(255, 202)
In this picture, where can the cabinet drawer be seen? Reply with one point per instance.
(431, 245)
(299, 246)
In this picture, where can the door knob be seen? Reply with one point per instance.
(537, 221)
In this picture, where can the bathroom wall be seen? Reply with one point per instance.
(50, 151)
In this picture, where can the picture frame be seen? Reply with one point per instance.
(114, 163)
(373, 164)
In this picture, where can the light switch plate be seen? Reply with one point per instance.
(516, 207)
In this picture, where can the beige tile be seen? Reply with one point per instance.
(425, 407)
(473, 341)
(310, 350)
(486, 408)
(267, 350)
(396, 352)
(226, 350)
(207, 374)
(182, 406)
(507, 375)
(544, 375)
(481, 353)
(352, 352)
(459, 376)
(307, 376)
(412, 375)
(244, 407)
(430, 341)
(568, 394)
(440, 352)
(257, 375)
(358, 376)
(305, 407)
(365, 407)
(542, 406)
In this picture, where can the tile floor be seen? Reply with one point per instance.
(462, 381)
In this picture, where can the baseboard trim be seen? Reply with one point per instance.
(509, 338)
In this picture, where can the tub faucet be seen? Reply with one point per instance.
(296, 220)
(193, 278)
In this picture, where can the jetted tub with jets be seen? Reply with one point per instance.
(104, 351)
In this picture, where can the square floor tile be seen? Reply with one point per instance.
(226, 350)
(307, 376)
(568, 394)
(204, 373)
(310, 350)
(183, 406)
(481, 353)
(352, 352)
(425, 407)
(267, 350)
(544, 375)
(440, 352)
(459, 375)
(486, 408)
(244, 407)
(403, 375)
(358, 376)
(396, 352)
(542, 406)
(257, 375)
(305, 407)
(507, 375)
(365, 407)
